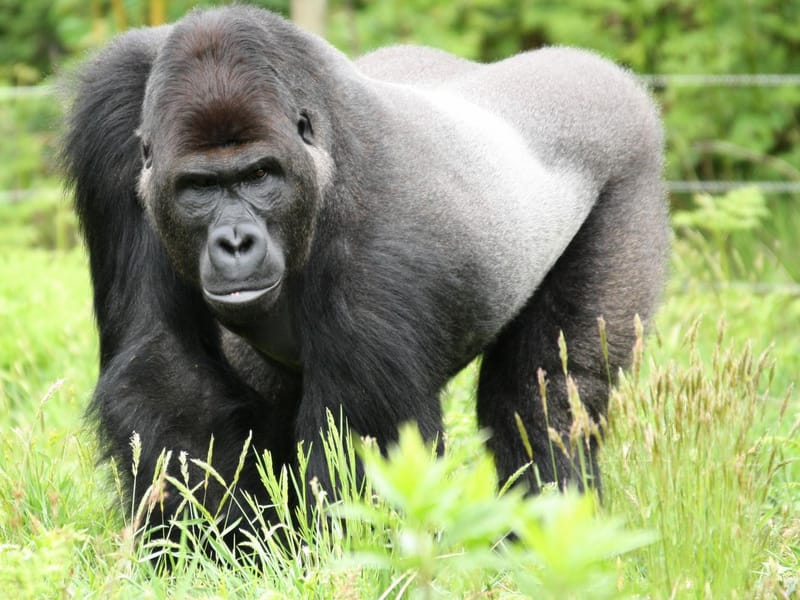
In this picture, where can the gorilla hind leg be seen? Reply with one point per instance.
(509, 396)
(613, 268)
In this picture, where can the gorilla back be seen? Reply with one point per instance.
(275, 231)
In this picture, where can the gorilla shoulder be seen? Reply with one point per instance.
(414, 65)
(573, 107)
(609, 111)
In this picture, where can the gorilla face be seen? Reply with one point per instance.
(229, 178)
(234, 218)
(232, 205)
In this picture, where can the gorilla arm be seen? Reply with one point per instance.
(162, 373)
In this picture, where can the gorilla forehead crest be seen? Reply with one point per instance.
(210, 93)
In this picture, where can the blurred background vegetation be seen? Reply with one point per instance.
(714, 132)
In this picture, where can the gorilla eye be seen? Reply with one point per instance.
(304, 128)
(201, 182)
(256, 175)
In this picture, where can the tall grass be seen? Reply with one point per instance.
(687, 453)
(422, 526)
(688, 472)
(701, 466)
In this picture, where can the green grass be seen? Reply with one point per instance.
(701, 464)
(688, 455)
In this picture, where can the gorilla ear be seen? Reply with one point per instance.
(304, 129)
(147, 157)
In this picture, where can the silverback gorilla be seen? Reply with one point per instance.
(275, 232)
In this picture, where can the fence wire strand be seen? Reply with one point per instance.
(733, 80)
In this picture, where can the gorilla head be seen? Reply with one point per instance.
(231, 176)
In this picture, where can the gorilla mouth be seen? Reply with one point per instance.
(241, 297)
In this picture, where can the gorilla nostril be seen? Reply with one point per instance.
(246, 243)
(226, 245)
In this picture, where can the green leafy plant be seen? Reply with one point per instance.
(446, 529)
(717, 218)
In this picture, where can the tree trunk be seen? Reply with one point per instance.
(311, 15)
(157, 14)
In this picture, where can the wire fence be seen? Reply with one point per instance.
(25, 92)
(722, 187)
(656, 82)
(710, 80)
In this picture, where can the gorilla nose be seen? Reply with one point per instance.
(237, 250)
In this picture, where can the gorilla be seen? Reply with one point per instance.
(275, 232)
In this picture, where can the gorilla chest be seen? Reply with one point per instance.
(274, 335)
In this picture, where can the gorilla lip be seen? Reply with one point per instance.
(241, 297)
